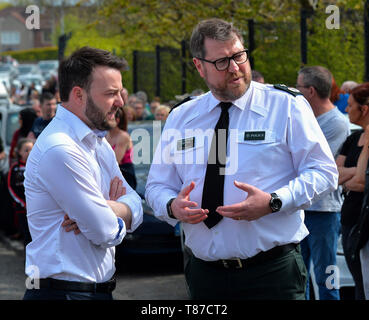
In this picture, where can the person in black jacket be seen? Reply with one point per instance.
(16, 189)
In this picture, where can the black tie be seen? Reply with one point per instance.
(212, 194)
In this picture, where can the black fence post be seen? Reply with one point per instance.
(62, 44)
(366, 39)
(184, 75)
(135, 54)
(157, 72)
(303, 36)
(251, 41)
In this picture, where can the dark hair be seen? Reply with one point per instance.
(214, 28)
(20, 144)
(28, 116)
(77, 69)
(46, 95)
(318, 77)
(361, 94)
(122, 116)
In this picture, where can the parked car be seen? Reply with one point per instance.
(4, 95)
(48, 68)
(28, 69)
(153, 236)
(8, 71)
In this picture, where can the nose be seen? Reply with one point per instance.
(120, 100)
(233, 66)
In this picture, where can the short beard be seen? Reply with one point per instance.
(224, 93)
(96, 116)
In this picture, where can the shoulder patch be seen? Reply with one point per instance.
(295, 92)
(181, 102)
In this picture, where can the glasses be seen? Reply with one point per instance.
(223, 63)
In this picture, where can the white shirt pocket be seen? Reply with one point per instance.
(189, 157)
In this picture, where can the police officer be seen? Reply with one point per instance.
(236, 166)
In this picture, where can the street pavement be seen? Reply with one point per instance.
(140, 281)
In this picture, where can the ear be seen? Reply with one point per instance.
(77, 95)
(199, 66)
(312, 91)
(364, 110)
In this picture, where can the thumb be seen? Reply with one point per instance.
(244, 186)
(186, 190)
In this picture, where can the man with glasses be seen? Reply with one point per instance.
(236, 166)
(323, 217)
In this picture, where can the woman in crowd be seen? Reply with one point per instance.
(122, 145)
(358, 111)
(16, 189)
(162, 112)
(26, 118)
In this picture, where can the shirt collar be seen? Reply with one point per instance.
(240, 103)
(79, 127)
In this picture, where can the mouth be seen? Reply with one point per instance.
(111, 113)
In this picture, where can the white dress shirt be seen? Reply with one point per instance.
(69, 171)
(274, 144)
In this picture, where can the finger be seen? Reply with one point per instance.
(186, 190)
(113, 187)
(192, 212)
(244, 186)
(233, 208)
(195, 218)
(195, 221)
(186, 203)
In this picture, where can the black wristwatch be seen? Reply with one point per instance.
(275, 202)
(169, 209)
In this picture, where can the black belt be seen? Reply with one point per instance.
(259, 258)
(103, 287)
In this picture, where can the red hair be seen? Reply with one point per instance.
(335, 91)
(361, 94)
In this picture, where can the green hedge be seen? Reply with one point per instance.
(33, 55)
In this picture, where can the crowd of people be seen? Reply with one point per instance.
(253, 221)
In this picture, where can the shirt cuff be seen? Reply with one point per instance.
(287, 200)
(119, 236)
(136, 210)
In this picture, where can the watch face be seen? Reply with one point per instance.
(275, 203)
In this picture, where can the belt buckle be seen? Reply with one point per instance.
(239, 263)
(238, 266)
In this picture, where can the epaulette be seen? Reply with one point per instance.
(181, 102)
(295, 92)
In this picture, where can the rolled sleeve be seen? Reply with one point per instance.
(133, 201)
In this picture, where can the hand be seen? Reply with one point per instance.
(255, 206)
(116, 189)
(70, 225)
(181, 207)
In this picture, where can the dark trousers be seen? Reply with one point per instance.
(281, 278)
(52, 294)
(353, 265)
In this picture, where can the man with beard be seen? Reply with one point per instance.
(73, 183)
(237, 166)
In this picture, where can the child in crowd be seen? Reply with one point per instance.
(16, 189)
